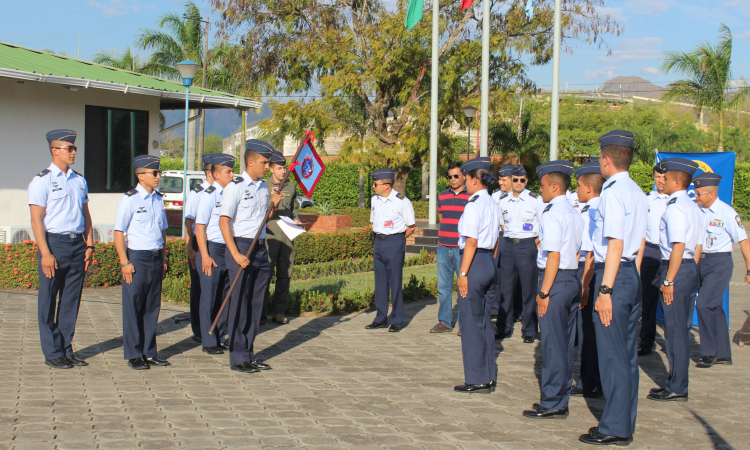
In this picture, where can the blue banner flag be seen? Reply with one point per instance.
(308, 168)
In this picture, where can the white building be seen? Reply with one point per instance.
(114, 112)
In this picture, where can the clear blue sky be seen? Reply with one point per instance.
(650, 28)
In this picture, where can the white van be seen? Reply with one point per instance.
(170, 185)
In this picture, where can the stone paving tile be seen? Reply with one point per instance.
(334, 384)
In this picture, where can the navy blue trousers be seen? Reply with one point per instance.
(678, 318)
(141, 303)
(388, 259)
(246, 303)
(651, 281)
(498, 292)
(213, 290)
(477, 333)
(715, 274)
(518, 265)
(195, 294)
(589, 379)
(60, 296)
(558, 338)
(617, 348)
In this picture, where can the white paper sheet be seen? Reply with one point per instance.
(291, 229)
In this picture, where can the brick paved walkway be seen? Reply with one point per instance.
(334, 385)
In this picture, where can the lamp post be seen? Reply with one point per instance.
(469, 113)
(187, 69)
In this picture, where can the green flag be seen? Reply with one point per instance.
(414, 13)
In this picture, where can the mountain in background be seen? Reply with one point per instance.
(632, 86)
(223, 122)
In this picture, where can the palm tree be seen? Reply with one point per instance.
(125, 60)
(529, 142)
(709, 84)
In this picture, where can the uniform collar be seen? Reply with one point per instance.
(246, 176)
(205, 184)
(618, 176)
(714, 208)
(480, 193)
(682, 193)
(657, 194)
(56, 171)
(218, 187)
(393, 194)
(143, 191)
(524, 193)
(558, 199)
(594, 201)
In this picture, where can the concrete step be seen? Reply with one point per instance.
(430, 232)
(415, 248)
(425, 240)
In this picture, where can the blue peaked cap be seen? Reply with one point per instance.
(383, 174)
(260, 147)
(565, 167)
(482, 162)
(223, 159)
(682, 164)
(707, 179)
(506, 170)
(62, 135)
(592, 167)
(617, 137)
(146, 162)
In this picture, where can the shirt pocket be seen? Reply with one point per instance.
(57, 195)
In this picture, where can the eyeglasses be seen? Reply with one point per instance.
(519, 180)
(454, 177)
(152, 172)
(71, 148)
(376, 184)
(701, 193)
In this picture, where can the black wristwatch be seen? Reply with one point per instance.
(542, 295)
(605, 289)
(90, 247)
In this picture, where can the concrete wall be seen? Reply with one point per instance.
(28, 111)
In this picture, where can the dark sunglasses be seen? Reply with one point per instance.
(519, 180)
(152, 172)
(71, 148)
(455, 177)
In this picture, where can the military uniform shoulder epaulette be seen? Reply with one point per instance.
(609, 185)
(503, 196)
(131, 192)
(43, 173)
(76, 173)
(473, 198)
(198, 188)
(547, 208)
(585, 208)
(158, 193)
(400, 196)
(672, 201)
(210, 189)
(533, 194)
(237, 180)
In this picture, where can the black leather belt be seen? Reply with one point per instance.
(665, 262)
(652, 245)
(386, 236)
(145, 252)
(66, 236)
(600, 265)
(562, 270)
(217, 244)
(715, 255)
(479, 250)
(518, 241)
(248, 240)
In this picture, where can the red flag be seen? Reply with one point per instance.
(465, 4)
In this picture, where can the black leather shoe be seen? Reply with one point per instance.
(666, 396)
(260, 365)
(575, 391)
(546, 413)
(474, 388)
(499, 336)
(59, 363)
(138, 364)
(157, 362)
(655, 390)
(643, 351)
(224, 346)
(245, 367)
(725, 361)
(517, 318)
(376, 325)
(77, 362)
(213, 350)
(197, 339)
(394, 328)
(594, 437)
(493, 385)
(528, 339)
(706, 362)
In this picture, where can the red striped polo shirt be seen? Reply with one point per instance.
(450, 206)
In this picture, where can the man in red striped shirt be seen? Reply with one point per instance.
(450, 206)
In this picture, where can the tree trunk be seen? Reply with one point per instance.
(191, 142)
(721, 132)
(425, 180)
(399, 184)
(361, 202)
(201, 134)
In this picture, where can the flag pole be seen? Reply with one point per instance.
(555, 86)
(269, 214)
(485, 102)
(434, 111)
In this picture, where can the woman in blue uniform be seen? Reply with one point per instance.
(477, 230)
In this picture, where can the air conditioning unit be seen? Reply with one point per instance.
(104, 232)
(15, 235)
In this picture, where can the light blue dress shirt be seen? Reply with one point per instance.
(208, 212)
(245, 202)
(589, 216)
(682, 222)
(391, 215)
(657, 204)
(480, 221)
(561, 231)
(191, 202)
(141, 216)
(623, 209)
(63, 196)
(520, 215)
(722, 226)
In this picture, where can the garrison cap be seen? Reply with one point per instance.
(222, 159)
(617, 137)
(146, 162)
(591, 159)
(482, 162)
(260, 147)
(506, 170)
(62, 135)
(207, 160)
(591, 167)
(277, 158)
(682, 164)
(707, 179)
(659, 169)
(565, 167)
(518, 171)
(383, 174)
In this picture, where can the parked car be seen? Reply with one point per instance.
(170, 185)
(304, 202)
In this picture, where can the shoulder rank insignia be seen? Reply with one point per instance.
(472, 199)
(585, 208)
(131, 192)
(158, 193)
(198, 188)
(210, 189)
(609, 185)
(43, 173)
(739, 221)
(532, 194)
(502, 196)
(547, 208)
(672, 201)
(400, 196)
(237, 180)
(76, 173)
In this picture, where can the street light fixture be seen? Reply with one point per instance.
(187, 69)
(469, 113)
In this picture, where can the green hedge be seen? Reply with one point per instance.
(741, 195)
(320, 247)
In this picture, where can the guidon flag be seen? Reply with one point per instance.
(308, 167)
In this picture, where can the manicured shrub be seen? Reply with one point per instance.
(319, 247)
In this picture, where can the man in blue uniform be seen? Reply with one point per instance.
(58, 200)
(679, 238)
(210, 261)
(505, 181)
(560, 234)
(244, 206)
(651, 264)
(722, 226)
(616, 244)
(143, 260)
(191, 202)
(520, 212)
(392, 217)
